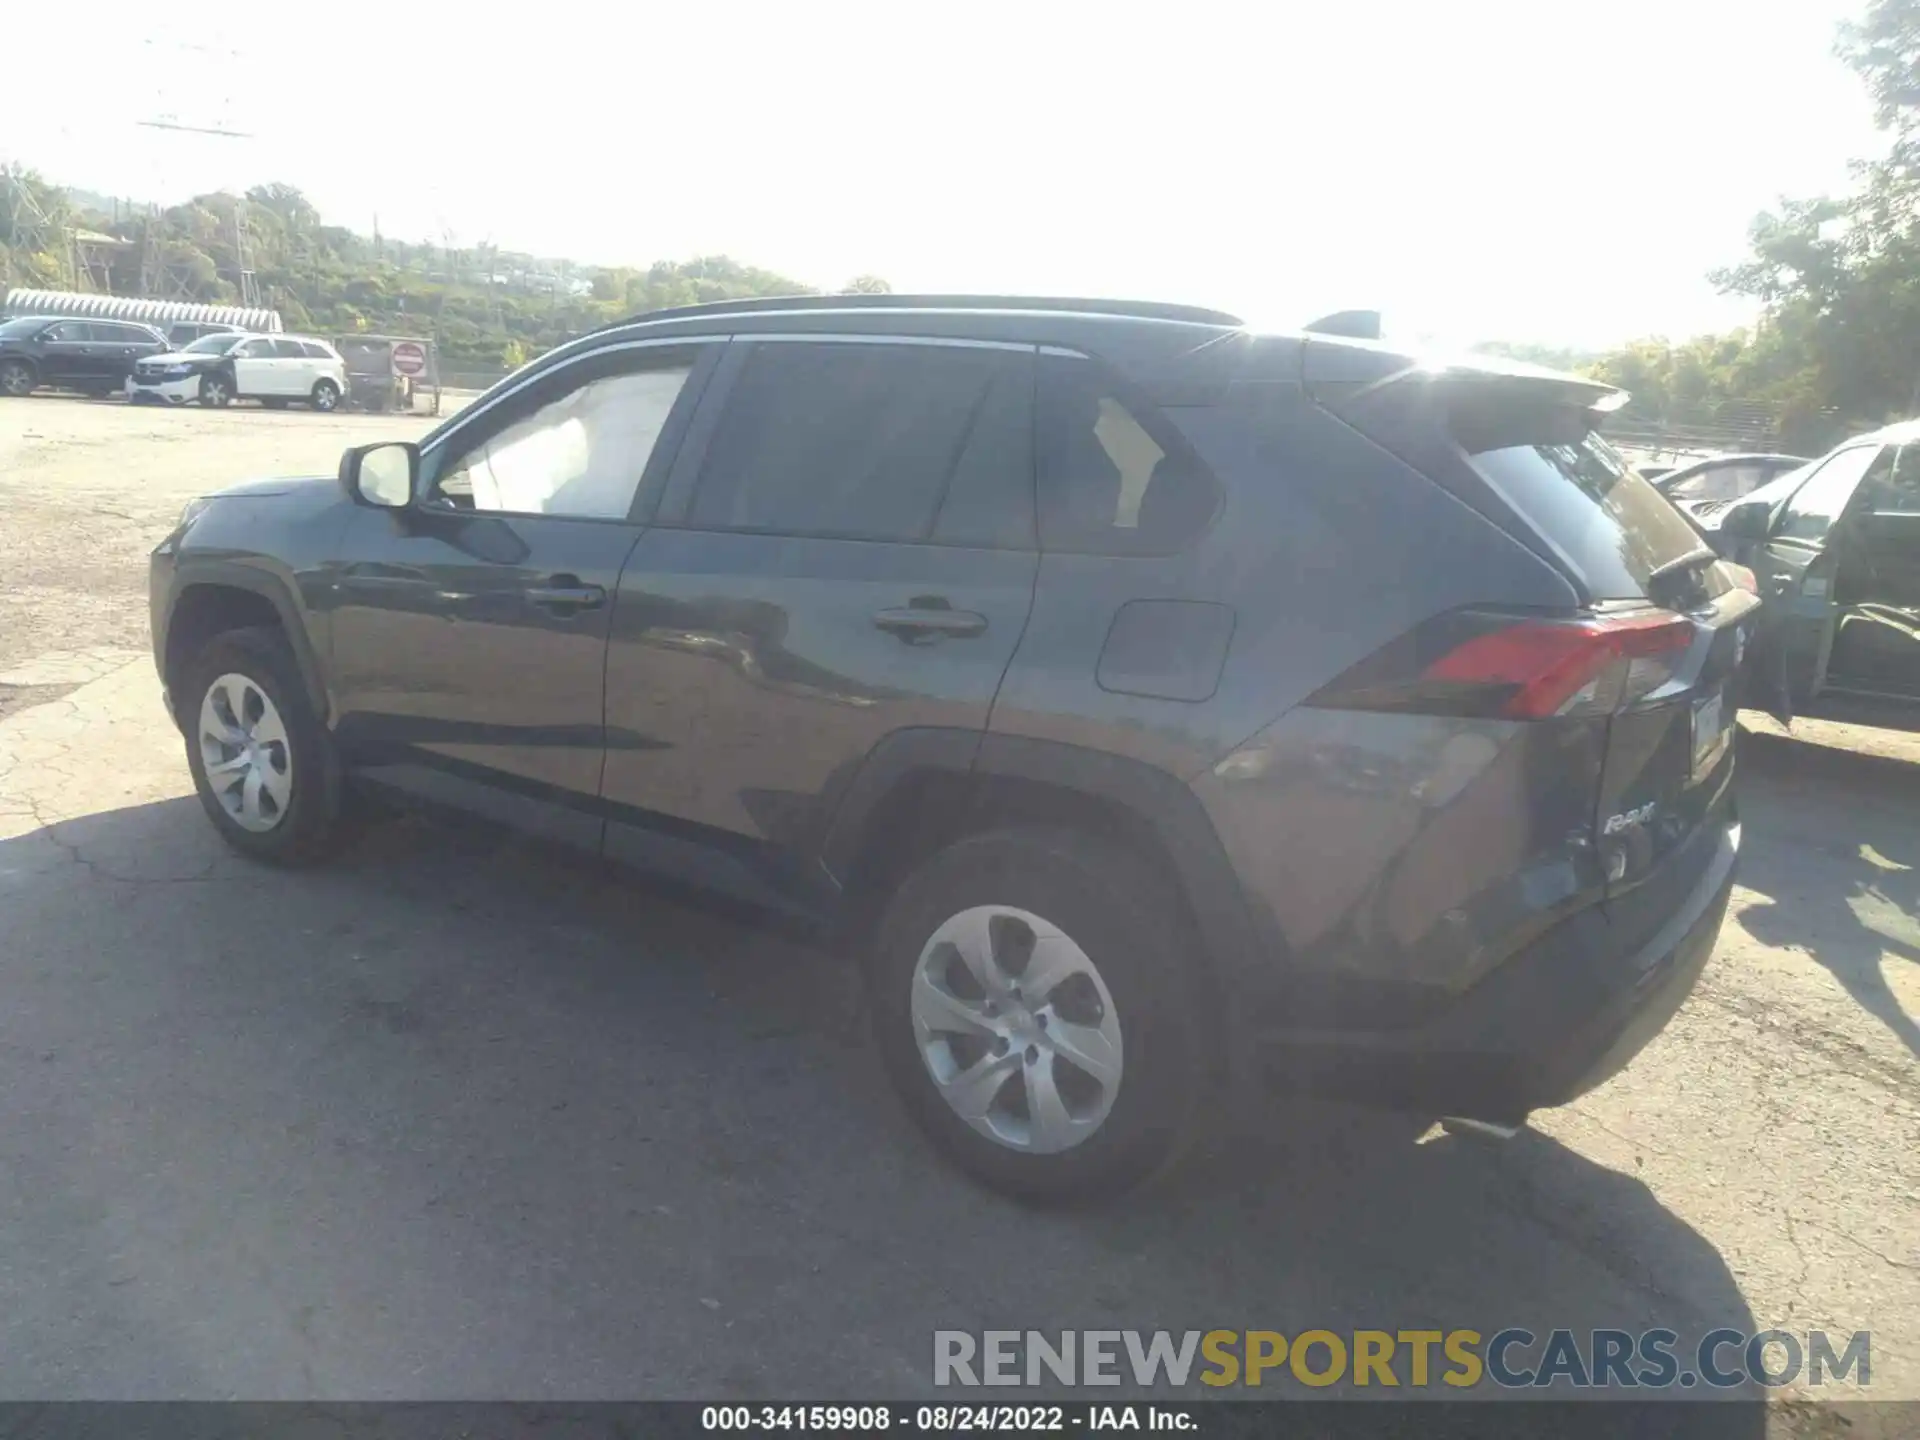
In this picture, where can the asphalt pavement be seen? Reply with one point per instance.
(454, 1117)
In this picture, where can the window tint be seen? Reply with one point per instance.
(288, 350)
(1819, 502)
(212, 344)
(1893, 486)
(314, 350)
(1611, 526)
(1112, 482)
(1722, 482)
(579, 455)
(68, 330)
(255, 350)
(861, 441)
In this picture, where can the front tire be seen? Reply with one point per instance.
(16, 378)
(326, 396)
(1034, 1002)
(262, 762)
(216, 392)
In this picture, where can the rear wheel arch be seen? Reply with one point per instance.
(209, 604)
(923, 790)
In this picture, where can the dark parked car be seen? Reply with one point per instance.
(1155, 705)
(94, 356)
(1836, 548)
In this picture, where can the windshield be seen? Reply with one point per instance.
(26, 325)
(212, 344)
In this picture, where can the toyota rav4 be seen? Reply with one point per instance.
(1153, 704)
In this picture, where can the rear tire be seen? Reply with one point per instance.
(274, 788)
(17, 378)
(1039, 1125)
(326, 396)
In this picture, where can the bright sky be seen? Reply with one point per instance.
(1519, 169)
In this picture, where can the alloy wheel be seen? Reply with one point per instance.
(245, 753)
(1017, 1029)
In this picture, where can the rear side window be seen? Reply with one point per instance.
(867, 442)
(1114, 478)
(289, 350)
(1609, 525)
(314, 350)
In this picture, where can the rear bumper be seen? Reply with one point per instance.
(1550, 1024)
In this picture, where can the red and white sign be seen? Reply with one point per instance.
(409, 358)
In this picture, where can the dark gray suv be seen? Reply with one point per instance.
(1154, 704)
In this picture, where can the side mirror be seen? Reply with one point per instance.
(381, 475)
(1747, 520)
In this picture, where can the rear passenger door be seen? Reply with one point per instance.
(845, 551)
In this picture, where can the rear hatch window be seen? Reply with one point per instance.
(1611, 528)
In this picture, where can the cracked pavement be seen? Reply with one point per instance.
(458, 1118)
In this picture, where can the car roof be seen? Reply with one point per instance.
(1183, 353)
(1900, 432)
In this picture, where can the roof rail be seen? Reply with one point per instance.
(1136, 309)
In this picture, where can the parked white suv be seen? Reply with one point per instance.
(219, 369)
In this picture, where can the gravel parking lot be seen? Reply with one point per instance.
(456, 1118)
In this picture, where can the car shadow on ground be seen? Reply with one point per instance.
(1853, 907)
(457, 1117)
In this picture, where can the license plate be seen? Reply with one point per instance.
(1712, 733)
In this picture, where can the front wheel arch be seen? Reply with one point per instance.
(19, 364)
(220, 598)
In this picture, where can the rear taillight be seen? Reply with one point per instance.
(1521, 669)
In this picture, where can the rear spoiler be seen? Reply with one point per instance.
(1340, 372)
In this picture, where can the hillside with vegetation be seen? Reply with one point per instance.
(1836, 280)
(488, 308)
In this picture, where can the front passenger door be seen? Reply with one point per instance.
(66, 356)
(1876, 641)
(1798, 570)
(469, 632)
(253, 368)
